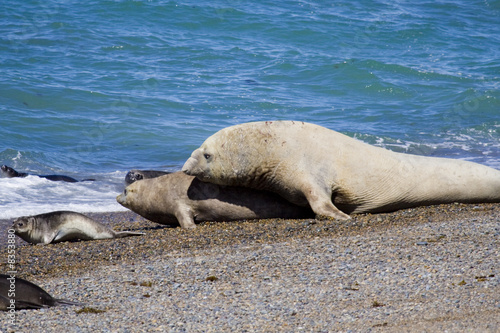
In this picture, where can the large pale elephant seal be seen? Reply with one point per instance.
(179, 199)
(63, 226)
(334, 173)
(17, 294)
(9, 172)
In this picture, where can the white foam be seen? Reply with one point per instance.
(34, 195)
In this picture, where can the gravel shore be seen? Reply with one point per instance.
(429, 269)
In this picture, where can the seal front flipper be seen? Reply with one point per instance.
(66, 234)
(185, 217)
(321, 204)
(327, 209)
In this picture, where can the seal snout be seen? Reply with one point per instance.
(188, 166)
(192, 164)
(122, 198)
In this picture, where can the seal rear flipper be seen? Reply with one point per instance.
(65, 302)
(121, 234)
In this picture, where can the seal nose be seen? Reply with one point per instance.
(121, 198)
(189, 165)
(192, 164)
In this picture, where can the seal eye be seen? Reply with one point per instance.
(207, 156)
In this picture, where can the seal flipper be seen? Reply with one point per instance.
(121, 234)
(321, 204)
(185, 217)
(67, 234)
(65, 302)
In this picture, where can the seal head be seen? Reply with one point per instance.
(11, 173)
(135, 175)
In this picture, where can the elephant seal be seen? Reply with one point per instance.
(11, 173)
(17, 294)
(179, 199)
(63, 226)
(135, 175)
(333, 173)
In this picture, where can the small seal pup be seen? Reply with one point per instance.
(179, 199)
(63, 226)
(333, 173)
(17, 293)
(11, 173)
(135, 175)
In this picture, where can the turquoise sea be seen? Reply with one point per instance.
(93, 89)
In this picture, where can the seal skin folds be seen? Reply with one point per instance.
(179, 199)
(63, 226)
(333, 173)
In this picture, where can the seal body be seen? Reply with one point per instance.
(20, 294)
(135, 175)
(179, 199)
(11, 173)
(333, 173)
(63, 226)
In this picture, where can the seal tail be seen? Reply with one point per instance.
(120, 234)
(65, 302)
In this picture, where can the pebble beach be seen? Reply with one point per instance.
(428, 269)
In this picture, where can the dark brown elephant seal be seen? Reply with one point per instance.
(63, 226)
(9, 172)
(17, 294)
(333, 173)
(179, 199)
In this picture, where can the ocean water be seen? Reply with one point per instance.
(93, 89)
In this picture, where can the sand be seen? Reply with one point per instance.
(429, 269)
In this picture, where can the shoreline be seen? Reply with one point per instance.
(427, 268)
